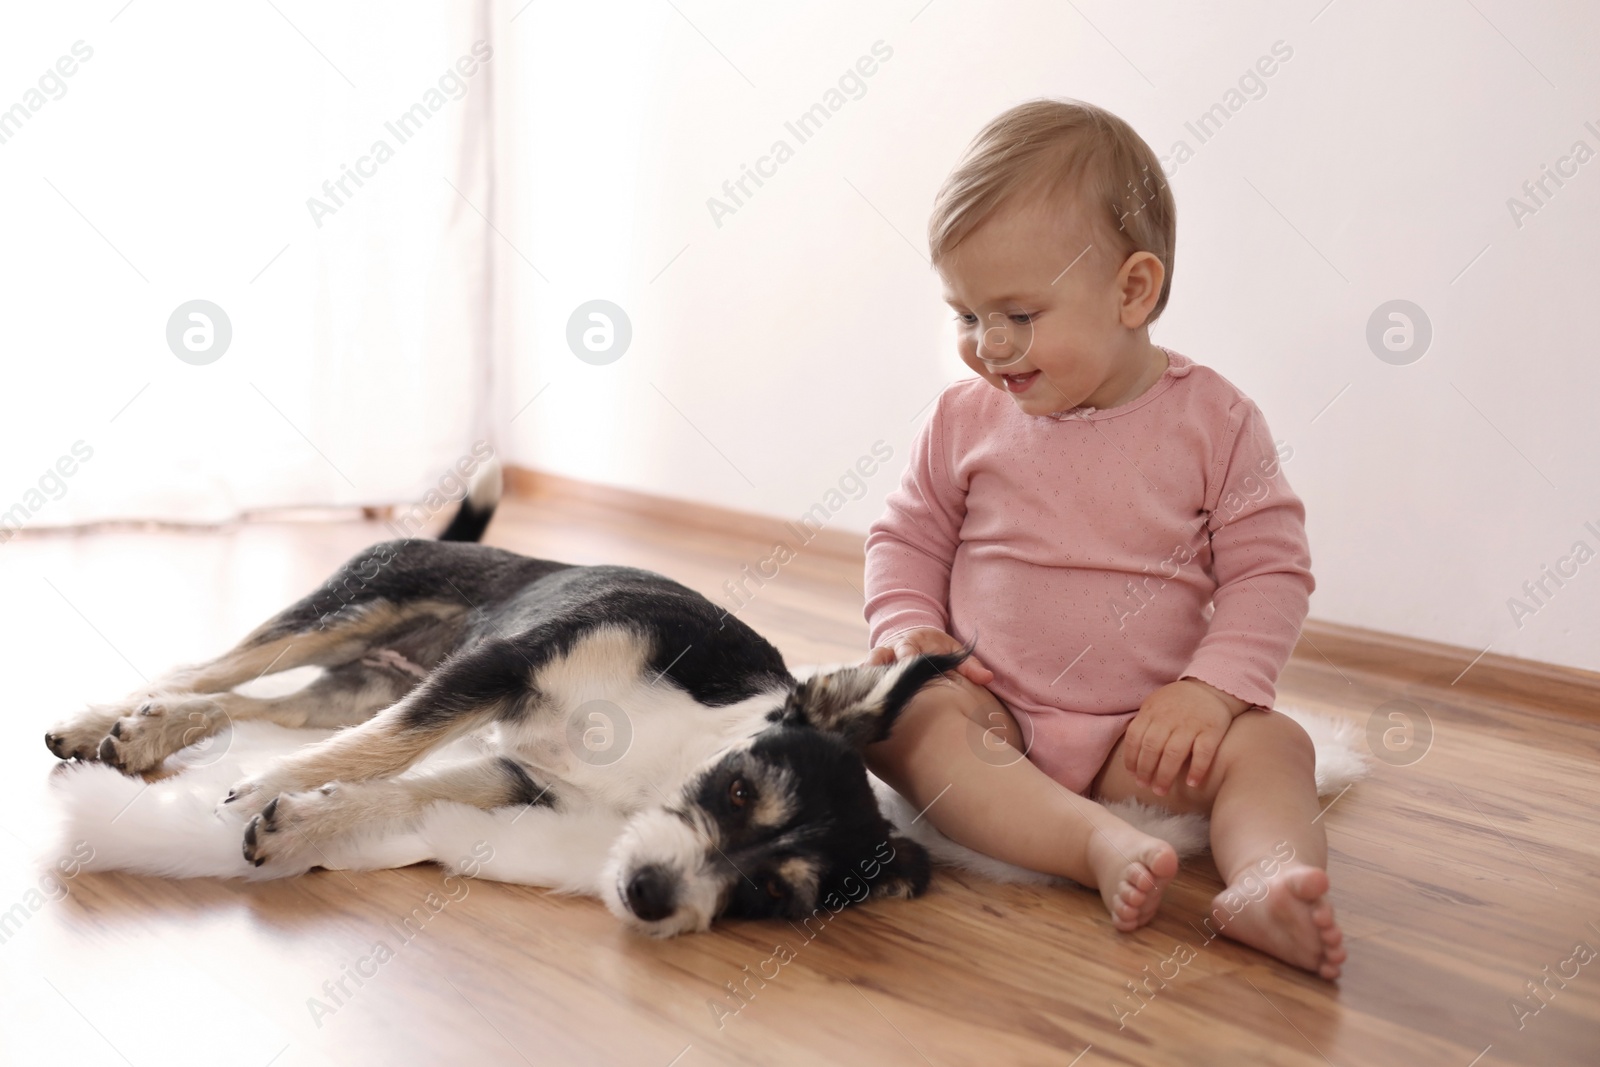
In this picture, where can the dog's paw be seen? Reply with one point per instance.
(79, 737)
(140, 742)
(288, 830)
(250, 795)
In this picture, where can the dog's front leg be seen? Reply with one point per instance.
(379, 748)
(463, 694)
(294, 829)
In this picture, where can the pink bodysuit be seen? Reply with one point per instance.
(1097, 555)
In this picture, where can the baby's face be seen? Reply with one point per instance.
(1038, 308)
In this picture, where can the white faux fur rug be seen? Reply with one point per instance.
(170, 828)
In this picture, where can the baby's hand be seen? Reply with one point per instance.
(927, 641)
(1184, 720)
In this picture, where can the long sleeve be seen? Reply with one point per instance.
(1261, 562)
(911, 546)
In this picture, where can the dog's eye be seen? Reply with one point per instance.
(776, 889)
(738, 793)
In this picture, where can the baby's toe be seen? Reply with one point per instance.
(1162, 860)
(1309, 883)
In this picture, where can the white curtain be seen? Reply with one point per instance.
(320, 173)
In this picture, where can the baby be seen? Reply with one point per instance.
(1110, 519)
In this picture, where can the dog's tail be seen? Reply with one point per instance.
(477, 507)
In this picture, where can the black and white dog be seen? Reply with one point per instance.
(744, 788)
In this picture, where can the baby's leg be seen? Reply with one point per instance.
(957, 753)
(1266, 837)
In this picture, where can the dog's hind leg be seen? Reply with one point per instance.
(290, 640)
(293, 828)
(140, 741)
(296, 637)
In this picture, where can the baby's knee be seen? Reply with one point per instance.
(944, 696)
(1271, 734)
(947, 707)
(957, 695)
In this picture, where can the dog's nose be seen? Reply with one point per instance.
(651, 893)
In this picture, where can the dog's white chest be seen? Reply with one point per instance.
(628, 750)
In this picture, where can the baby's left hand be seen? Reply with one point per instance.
(1184, 720)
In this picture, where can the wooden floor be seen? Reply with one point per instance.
(1458, 878)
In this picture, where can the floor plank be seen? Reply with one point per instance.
(1459, 878)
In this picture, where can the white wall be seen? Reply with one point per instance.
(779, 346)
(189, 154)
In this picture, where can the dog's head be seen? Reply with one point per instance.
(784, 824)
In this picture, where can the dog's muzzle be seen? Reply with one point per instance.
(660, 878)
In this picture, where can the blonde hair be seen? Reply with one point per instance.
(1055, 147)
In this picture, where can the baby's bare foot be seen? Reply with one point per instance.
(1287, 916)
(1131, 869)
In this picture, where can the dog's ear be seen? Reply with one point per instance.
(860, 704)
(906, 872)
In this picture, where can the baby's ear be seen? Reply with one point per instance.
(906, 872)
(860, 704)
